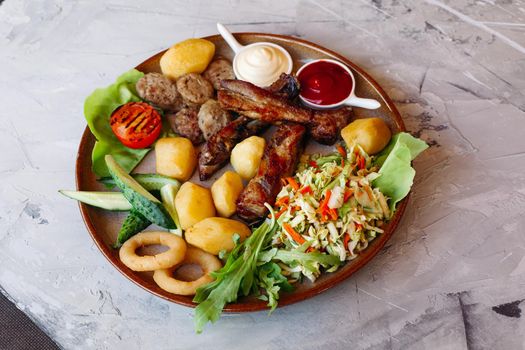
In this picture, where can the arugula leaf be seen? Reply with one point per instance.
(235, 277)
(97, 110)
(270, 278)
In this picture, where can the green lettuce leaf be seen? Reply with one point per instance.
(397, 174)
(97, 110)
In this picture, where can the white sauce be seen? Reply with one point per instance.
(261, 64)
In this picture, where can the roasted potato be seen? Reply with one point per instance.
(193, 204)
(225, 192)
(372, 134)
(246, 156)
(188, 56)
(215, 234)
(175, 157)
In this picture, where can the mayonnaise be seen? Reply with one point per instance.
(261, 64)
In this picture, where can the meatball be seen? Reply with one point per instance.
(219, 69)
(212, 118)
(186, 123)
(160, 91)
(194, 89)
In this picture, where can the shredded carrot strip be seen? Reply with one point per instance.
(282, 200)
(281, 212)
(293, 183)
(342, 152)
(296, 237)
(333, 214)
(324, 202)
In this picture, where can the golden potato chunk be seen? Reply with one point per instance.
(193, 204)
(225, 192)
(175, 157)
(372, 134)
(215, 234)
(188, 56)
(246, 156)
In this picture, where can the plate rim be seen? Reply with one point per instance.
(88, 139)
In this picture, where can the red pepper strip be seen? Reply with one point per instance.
(361, 163)
(346, 240)
(306, 189)
(296, 237)
(358, 227)
(313, 164)
(293, 183)
(333, 214)
(310, 249)
(347, 195)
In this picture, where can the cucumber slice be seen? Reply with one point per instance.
(167, 194)
(134, 223)
(106, 200)
(140, 199)
(151, 182)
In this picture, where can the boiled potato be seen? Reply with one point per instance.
(175, 157)
(193, 204)
(372, 134)
(225, 192)
(215, 234)
(188, 56)
(246, 156)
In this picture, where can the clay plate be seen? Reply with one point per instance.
(104, 226)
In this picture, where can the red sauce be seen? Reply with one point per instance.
(325, 83)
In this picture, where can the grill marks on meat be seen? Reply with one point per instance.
(257, 103)
(279, 160)
(216, 152)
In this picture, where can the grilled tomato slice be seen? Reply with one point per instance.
(136, 124)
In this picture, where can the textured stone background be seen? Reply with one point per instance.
(452, 277)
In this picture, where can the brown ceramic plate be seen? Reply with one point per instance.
(104, 225)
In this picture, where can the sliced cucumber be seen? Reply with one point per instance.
(151, 182)
(135, 222)
(106, 200)
(167, 194)
(140, 199)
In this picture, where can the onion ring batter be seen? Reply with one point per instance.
(208, 263)
(173, 256)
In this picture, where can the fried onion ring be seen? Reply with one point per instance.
(208, 262)
(173, 256)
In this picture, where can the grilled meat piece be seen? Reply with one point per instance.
(279, 160)
(256, 103)
(219, 69)
(186, 123)
(287, 87)
(216, 152)
(212, 118)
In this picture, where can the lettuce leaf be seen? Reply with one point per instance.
(97, 110)
(396, 173)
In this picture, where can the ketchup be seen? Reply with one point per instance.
(325, 83)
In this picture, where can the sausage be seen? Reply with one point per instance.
(219, 69)
(279, 160)
(186, 123)
(194, 89)
(212, 118)
(160, 91)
